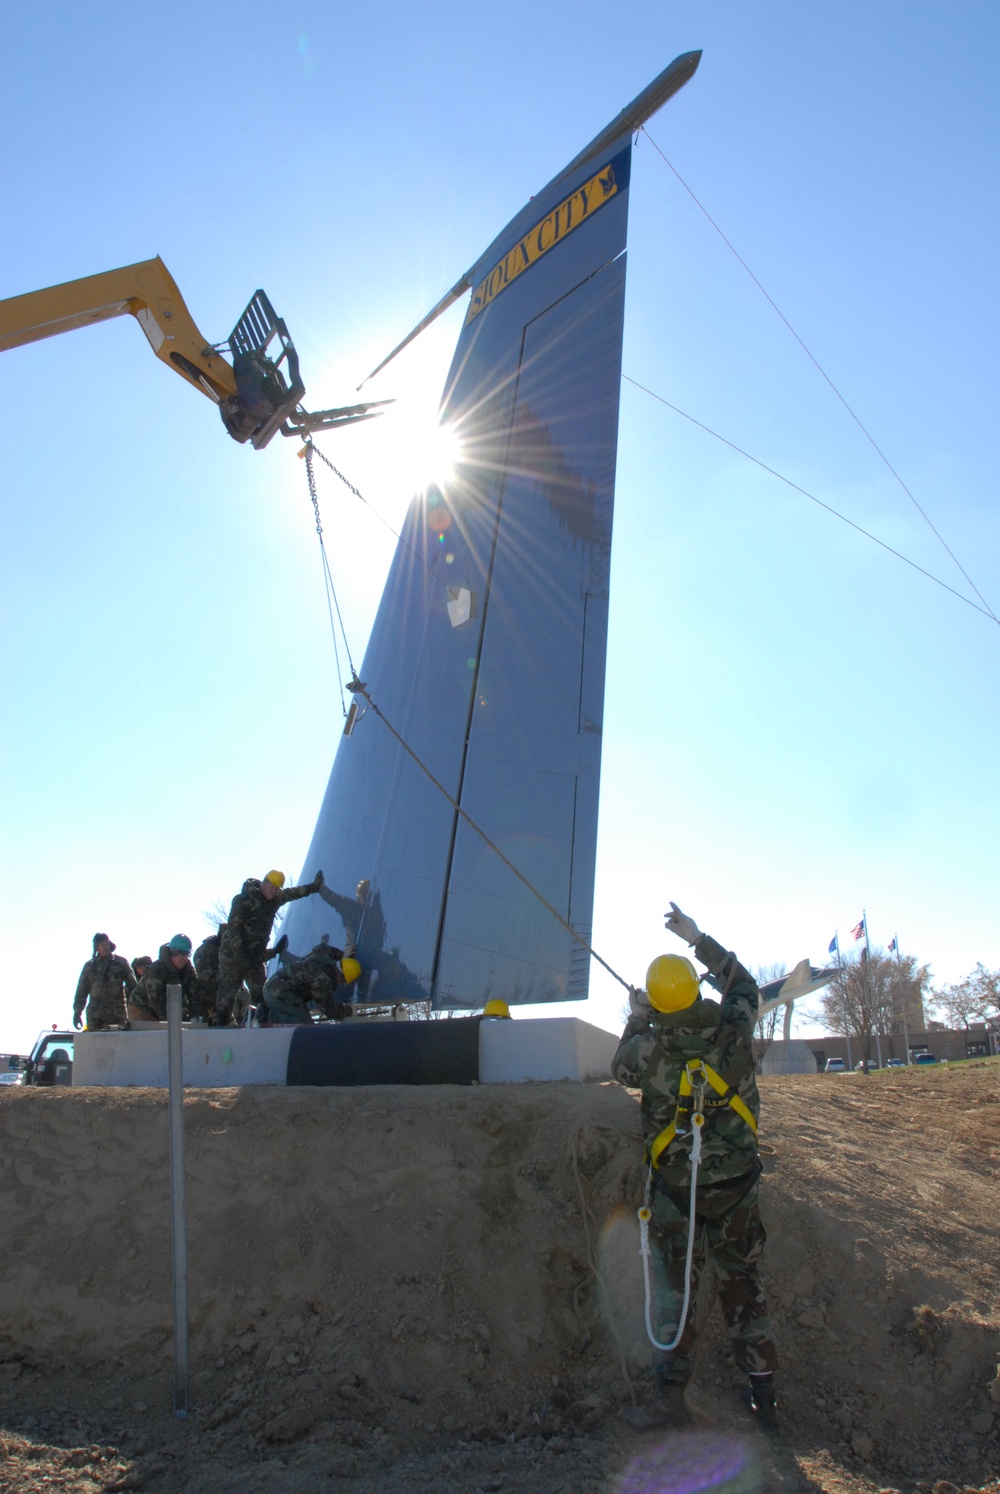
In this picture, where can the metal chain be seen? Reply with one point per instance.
(311, 479)
(346, 481)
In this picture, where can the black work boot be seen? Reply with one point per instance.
(762, 1403)
(668, 1411)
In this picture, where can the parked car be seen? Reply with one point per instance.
(10, 1078)
(865, 1066)
(51, 1059)
(835, 1066)
(925, 1058)
(895, 1063)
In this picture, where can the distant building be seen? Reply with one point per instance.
(949, 1044)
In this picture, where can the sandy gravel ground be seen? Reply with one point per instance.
(439, 1289)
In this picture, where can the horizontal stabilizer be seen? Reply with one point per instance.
(801, 981)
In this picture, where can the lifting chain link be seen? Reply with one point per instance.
(347, 483)
(311, 477)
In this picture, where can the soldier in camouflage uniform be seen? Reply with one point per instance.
(206, 964)
(315, 978)
(173, 968)
(139, 1009)
(244, 945)
(105, 981)
(668, 1028)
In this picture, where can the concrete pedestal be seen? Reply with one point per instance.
(512, 1052)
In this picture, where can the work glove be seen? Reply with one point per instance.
(638, 1003)
(280, 947)
(680, 924)
(77, 1021)
(349, 951)
(317, 881)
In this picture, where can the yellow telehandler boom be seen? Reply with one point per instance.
(257, 394)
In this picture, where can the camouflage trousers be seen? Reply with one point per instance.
(206, 995)
(283, 1008)
(105, 1011)
(231, 999)
(729, 1232)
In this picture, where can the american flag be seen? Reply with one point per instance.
(858, 931)
(892, 945)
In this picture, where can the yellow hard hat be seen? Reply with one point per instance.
(496, 1008)
(671, 983)
(276, 879)
(350, 968)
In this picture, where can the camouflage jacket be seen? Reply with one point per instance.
(654, 1049)
(162, 974)
(206, 956)
(140, 1001)
(251, 918)
(106, 984)
(313, 978)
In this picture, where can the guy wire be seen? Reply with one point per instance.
(822, 371)
(985, 610)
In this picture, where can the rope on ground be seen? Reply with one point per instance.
(595, 1271)
(823, 373)
(645, 1216)
(811, 496)
(357, 687)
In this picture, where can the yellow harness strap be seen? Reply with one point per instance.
(698, 1070)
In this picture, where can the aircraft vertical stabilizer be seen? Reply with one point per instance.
(488, 650)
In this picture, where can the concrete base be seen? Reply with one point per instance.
(214, 1057)
(546, 1048)
(793, 1057)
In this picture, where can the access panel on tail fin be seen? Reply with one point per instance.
(488, 650)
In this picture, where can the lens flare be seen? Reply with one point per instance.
(695, 1463)
(428, 454)
(438, 520)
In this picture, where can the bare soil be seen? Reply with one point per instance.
(439, 1289)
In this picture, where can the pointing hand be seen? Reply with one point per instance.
(680, 924)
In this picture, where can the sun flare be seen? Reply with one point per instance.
(432, 455)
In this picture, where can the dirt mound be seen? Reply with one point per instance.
(439, 1288)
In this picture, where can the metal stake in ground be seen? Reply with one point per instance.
(178, 1213)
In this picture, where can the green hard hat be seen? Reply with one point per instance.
(180, 944)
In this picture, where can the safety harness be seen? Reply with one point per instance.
(691, 1095)
(689, 1116)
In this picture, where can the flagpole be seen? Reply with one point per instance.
(847, 1021)
(902, 1000)
(868, 957)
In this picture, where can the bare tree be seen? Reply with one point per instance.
(767, 1025)
(217, 914)
(986, 987)
(960, 1003)
(976, 997)
(868, 996)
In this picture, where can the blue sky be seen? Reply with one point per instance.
(797, 725)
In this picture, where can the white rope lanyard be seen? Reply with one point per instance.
(645, 1215)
